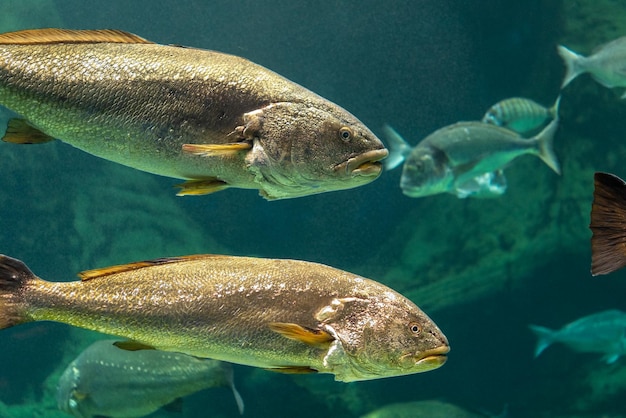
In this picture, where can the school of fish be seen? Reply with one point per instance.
(219, 121)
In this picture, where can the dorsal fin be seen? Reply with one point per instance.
(106, 271)
(54, 36)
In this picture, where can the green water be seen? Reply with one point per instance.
(482, 269)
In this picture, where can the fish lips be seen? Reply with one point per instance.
(431, 359)
(366, 164)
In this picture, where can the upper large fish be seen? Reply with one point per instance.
(286, 315)
(602, 332)
(607, 65)
(608, 211)
(213, 119)
(105, 380)
(456, 155)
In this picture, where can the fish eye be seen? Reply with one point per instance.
(345, 134)
(415, 328)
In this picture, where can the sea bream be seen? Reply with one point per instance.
(521, 114)
(602, 332)
(212, 119)
(453, 156)
(105, 380)
(284, 315)
(607, 64)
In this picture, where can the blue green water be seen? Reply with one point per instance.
(482, 269)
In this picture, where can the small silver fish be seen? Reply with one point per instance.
(520, 114)
(603, 332)
(487, 185)
(446, 160)
(105, 380)
(607, 65)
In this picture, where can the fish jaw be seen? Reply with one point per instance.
(431, 359)
(365, 165)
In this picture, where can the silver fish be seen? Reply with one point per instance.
(607, 65)
(450, 157)
(603, 332)
(520, 114)
(486, 185)
(105, 380)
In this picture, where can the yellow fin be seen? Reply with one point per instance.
(316, 337)
(20, 132)
(216, 150)
(53, 36)
(292, 369)
(132, 345)
(106, 271)
(200, 187)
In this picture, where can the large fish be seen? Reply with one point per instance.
(213, 119)
(456, 155)
(105, 380)
(602, 332)
(286, 315)
(608, 211)
(607, 65)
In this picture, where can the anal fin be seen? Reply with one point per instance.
(130, 345)
(19, 131)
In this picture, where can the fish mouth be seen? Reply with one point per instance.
(366, 164)
(431, 359)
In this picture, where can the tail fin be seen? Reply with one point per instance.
(544, 142)
(398, 148)
(573, 67)
(13, 276)
(545, 337)
(608, 211)
(554, 109)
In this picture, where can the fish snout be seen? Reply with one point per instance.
(366, 164)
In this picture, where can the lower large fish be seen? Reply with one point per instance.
(212, 119)
(105, 380)
(285, 315)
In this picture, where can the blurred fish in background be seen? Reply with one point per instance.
(105, 380)
(520, 114)
(602, 332)
(607, 64)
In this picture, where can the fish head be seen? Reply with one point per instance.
(69, 397)
(426, 172)
(382, 336)
(301, 149)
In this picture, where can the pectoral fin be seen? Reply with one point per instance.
(315, 337)
(216, 150)
(132, 345)
(200, 187)
(20, 132)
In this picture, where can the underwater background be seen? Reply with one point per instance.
(483, 269)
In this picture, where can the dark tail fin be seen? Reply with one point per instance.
(13, 276)
(608, 224)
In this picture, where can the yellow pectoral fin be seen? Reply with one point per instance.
(20, 132)
(69, 36)
(315, 337)
(132, 345)
(200, 187)
(292, 369)
(216, 150)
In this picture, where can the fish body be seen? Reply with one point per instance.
(286, 315)
(608, 211)
(213, 119)
(607, 65)
(450, 157)
(603, 332)
(105, 380)
(487, 185)
(520, 114)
